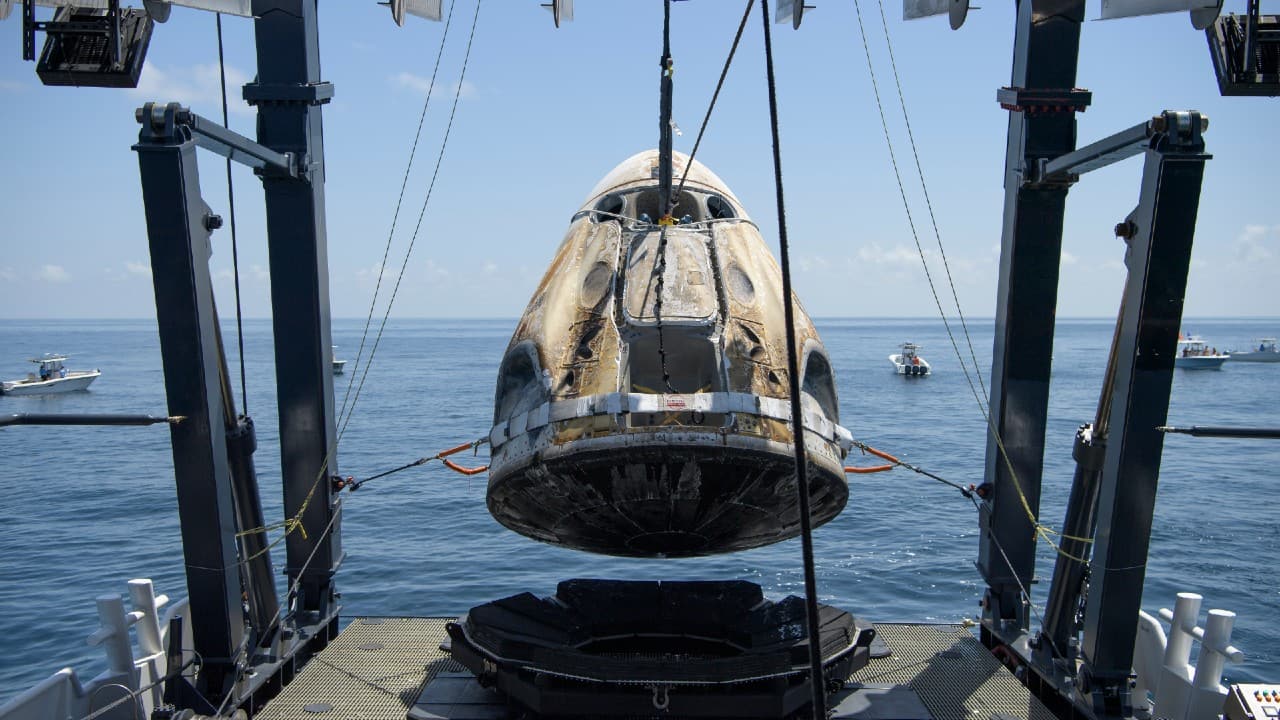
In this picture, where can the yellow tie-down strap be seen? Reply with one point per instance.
(618, 403)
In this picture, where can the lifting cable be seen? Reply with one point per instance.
(746, 14)
(294, 522)
(413, 151)
(1043, 531)
(924, 188)
(231, 204)
(444, 143)
(816, 684)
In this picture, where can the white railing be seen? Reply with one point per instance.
(62, 696)
(1167, 685)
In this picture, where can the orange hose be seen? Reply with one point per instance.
(458, 468)
(881, 454)
(872, 469)
(451, 451)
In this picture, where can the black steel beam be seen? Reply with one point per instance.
(288, 93)
(1120, 146)
(83, 419)
(234, 146)
(1224, 432)
(1159, 255)
(1044, 66)
(177, 228)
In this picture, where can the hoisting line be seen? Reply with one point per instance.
(295, 522)
(395, 290)
(231, 205)
(816, 684)
(746, 14)
(664, 186)
(1041, 530)
(442, 456)
(413, 151)
(664, 121)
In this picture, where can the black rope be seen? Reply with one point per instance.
(660, 270)
(665, 203)
(413, 150)
(707, 118)
(793, 376)
(966, 491)
(231, 204)
(664, 119)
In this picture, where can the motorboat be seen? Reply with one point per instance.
(1265, 351)
(51, 377)
(338, 365)
(909, 362)
(1195, 354)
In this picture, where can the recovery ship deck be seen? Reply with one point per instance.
(378, 667)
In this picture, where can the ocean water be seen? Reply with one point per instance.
(86, 509)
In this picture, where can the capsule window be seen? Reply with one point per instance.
(520, 385)
(719, 209)
(820, 383)
(611, 205)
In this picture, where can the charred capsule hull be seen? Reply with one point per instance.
(642, 407)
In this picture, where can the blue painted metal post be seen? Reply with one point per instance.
(178, 223)
(288, 93)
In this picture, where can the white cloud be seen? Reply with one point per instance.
(490, 268)
(438, 271)
(1068, 258)
(197, 85)
(260, 274)
(897, 256)
(7, 273)
(11, 86)
(421, 85)
(137, 268)
(369, 273)
(53, 273)
(1257, 244)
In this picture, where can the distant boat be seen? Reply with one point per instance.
(1264, 352)
(1194, 354)
(337, 364)
(908, 362)
(51, 377)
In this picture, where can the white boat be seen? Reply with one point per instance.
(51, 377)
(1265, 351)
(1194, 354)
(337, 364)
(908, 362)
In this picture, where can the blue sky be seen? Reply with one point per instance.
(544, 113)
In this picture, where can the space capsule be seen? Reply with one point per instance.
(642, 407)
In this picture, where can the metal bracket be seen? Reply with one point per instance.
(1043, 101)
(165, 121)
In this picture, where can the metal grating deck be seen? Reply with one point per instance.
(376, 667)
